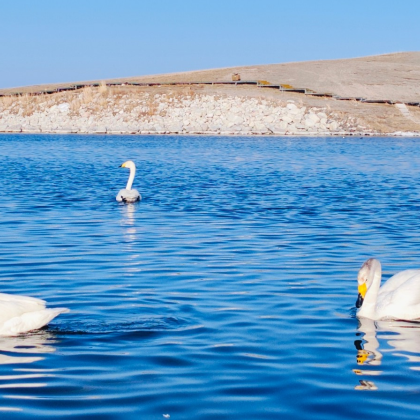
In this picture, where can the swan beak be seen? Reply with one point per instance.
(123, 165)
(362, 293)
(362, 289)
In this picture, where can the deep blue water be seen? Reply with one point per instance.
(228, 292)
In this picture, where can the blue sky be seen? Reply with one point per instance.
(46, 41)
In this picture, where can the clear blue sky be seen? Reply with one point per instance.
(45, 41)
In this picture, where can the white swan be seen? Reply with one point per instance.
(19, 314)
(398, 298)
(128, 195)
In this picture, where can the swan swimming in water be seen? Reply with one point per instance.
(398, 298)
(20, 314)
(128, 195)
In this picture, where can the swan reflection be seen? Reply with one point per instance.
(128, 214)
(24, 345)
(24, 349)
(400, 338)
(128, 221)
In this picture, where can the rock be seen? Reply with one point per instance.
(175, 128)
(294, 111)
(100, 130)
(161, 113)
(63, 107)
(14, 129)
(30, 129)
(259, 126)
(312, 117)
(332, 126)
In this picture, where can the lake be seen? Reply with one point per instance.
(228, 292)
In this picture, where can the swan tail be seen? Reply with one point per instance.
(30, 321)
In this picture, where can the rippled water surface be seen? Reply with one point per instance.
(228, 292)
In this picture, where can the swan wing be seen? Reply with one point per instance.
(400, 296)
(120, 195)
(397, 280)
(12, 306)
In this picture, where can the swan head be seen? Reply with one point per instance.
(128, 164)
(365, 278)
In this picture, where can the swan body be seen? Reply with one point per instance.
(128, 194)
(20, 314)
(398, 298)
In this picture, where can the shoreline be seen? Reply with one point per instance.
(210, 134)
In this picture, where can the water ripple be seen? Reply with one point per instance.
(227, 292)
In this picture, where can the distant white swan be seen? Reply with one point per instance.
(128, 195)
(19, 314)
(398, 298)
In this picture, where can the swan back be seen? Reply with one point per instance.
(14, 306)
(128, 196)
(399, 297)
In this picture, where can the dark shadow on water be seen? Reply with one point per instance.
(92, 327)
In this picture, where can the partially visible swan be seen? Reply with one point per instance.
(398, 298)
(128, 195)
(20, 314)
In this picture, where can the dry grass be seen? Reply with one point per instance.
(87, 95)
(75, 105)
(103, 88)
(6, 101)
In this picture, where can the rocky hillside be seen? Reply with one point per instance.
(99, 110)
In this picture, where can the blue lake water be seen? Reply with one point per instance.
(228, 292)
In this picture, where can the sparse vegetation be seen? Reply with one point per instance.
(199, 106)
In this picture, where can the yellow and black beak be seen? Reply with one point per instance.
(122, 165)
(362, 293)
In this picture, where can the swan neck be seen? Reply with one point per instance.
(131, 178)
(368, 308)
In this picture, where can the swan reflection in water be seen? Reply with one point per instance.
(402, 339)
(128, 222)
(23, 350)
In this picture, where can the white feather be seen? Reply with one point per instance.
(398, 298)
(128, 194)
(19, 314)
